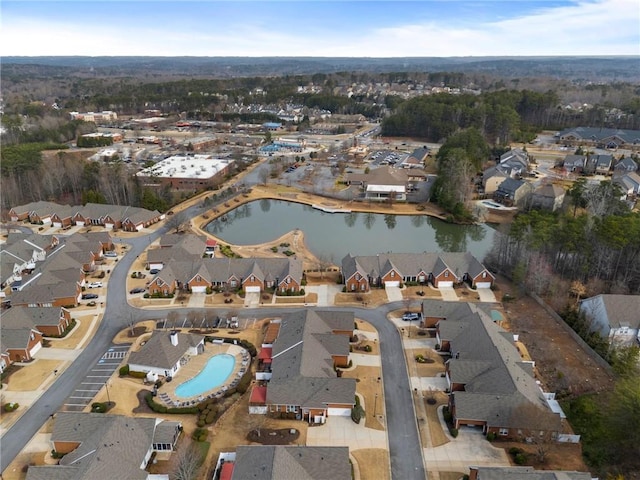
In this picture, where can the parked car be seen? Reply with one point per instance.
(110, 254)
(133, 291)
(154, 271)
(410, 316)
(94, 285)
(89, 296)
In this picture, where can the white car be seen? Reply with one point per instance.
(110, 254)
(94, 285)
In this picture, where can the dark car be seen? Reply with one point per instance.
(136, 290)
(153, 271)
(89, 296)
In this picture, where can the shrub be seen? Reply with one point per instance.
(57, 455)
(200, 434)
(153, 405)
(344, 289)
(491, 436)
(302, 292)
(515, 450)
(124, 370)
(200, 423)
(356, 413)
(11, 406)
(211, 416)
(453, 432)
(274, 249)
(437, 346)
(367, 348)
(134, 374)
(98, 407)
(520, 459)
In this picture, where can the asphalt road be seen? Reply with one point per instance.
(404, 441)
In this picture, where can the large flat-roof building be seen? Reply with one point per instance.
(187, 172)
(97, 117)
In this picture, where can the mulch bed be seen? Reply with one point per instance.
(137, 331)
(268, 436)
(142, 403)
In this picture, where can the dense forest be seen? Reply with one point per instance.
(504, 116)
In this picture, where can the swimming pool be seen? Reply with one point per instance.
(214, 374)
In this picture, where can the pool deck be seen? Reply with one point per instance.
(194, 365)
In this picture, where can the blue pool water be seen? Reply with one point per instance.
(496, 316)
(214, 374)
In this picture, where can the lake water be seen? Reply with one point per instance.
(333, 235)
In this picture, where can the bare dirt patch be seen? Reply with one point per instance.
(559, 456)
(562, 364)
(373, 463)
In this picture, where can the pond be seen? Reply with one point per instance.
(331, 236)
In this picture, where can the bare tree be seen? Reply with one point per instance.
(263, 175)
(189, 462)
(177, 221)
(172, 318)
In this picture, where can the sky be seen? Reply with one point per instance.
(338, 28)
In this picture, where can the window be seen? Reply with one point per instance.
(393, 274)
(504, 432)
(358, 277)
(253, 278)
(446, 274)
(484, 274)
(288, 280)
(291, 409)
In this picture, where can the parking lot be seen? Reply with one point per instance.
(96, 379)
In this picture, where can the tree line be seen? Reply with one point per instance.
(502, 117)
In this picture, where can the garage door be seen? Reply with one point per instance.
(252, 290)
(338, 412)
(392, 284)
(35, 349)
(483, 285)
(445, 284)
(57, 224)
(199, 289)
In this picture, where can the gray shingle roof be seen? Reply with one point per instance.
(111, 447)
(302, 362)
(30, 317)
(411, 264)
(291, 463)
(528, 473)
(499, 388)
(619, 310)
(159, 352)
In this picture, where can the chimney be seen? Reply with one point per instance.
(174, 338)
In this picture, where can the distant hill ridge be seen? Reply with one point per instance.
(605, 67)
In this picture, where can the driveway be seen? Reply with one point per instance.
(486, 295)
(448, 294)
(251, 299)
(394, 294)
(469, 448)
(343, 432)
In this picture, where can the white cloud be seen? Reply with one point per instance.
(605, 27)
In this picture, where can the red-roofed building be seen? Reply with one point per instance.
(226, 472)
(258, 400)
(210, 248)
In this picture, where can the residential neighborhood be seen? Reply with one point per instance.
(340, 275)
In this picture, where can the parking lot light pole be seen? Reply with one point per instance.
(106, 386)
